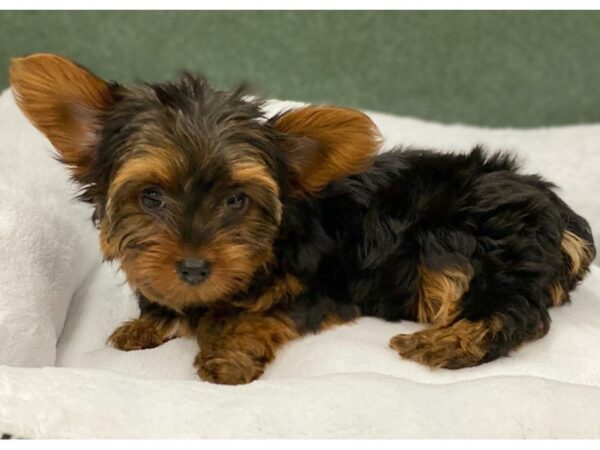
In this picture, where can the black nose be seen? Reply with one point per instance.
(193, 271)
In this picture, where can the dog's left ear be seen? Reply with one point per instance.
(327, 143)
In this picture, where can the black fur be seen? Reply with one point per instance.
(360, 241)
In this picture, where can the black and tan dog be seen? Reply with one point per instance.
(247, 232)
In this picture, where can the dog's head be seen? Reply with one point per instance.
(189, 183)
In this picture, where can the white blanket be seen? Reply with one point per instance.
(58, 304)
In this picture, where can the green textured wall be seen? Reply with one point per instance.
(490, 68)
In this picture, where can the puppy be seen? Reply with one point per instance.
(247, 232)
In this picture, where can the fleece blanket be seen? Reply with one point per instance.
(58, 303)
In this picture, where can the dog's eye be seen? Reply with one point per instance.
(237, 201)
(151, 198)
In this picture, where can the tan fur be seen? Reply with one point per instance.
(281, 290)
(152, 271)
(439, 293)
(461, 344)
(108, 247)
(557, 294)
(347, 142)
(333, 320)
(150, 266)
(578, 252)
(148, 332)
(236, 349)
(63, 100)
(153, 167)
(252, 171)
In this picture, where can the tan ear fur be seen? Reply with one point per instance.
(344, 142)
(64, 101)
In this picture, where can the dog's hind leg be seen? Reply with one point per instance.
(466, 343)
(476, 317)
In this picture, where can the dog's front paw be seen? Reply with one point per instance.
(228, 367)
(136, 334)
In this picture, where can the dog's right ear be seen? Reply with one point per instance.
(64, 101)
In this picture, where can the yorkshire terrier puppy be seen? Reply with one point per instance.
(247, 232)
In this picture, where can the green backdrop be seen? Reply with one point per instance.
(489, 68)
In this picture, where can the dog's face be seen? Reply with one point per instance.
(189, 183)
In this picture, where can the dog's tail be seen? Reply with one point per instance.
(578, 252)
